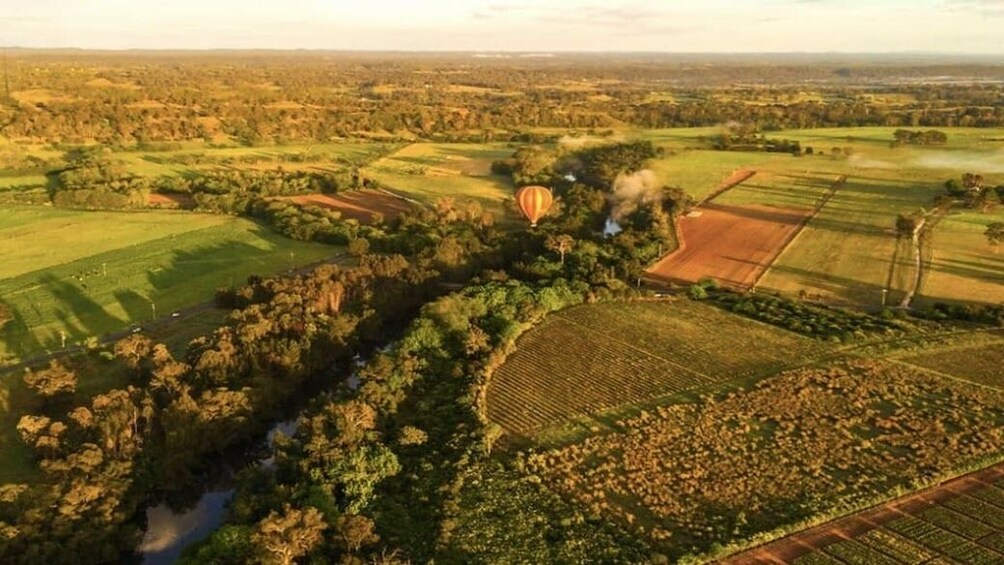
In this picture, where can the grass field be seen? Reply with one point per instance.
(963, 265)
(589, 359)
(790, 448)
(90, 273)
(967, 528)
(849, 253)
(427, 171)
(315, 156)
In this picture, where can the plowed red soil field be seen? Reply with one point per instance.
(731, 244)
(358, 204)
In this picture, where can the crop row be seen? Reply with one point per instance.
(854, 553)
(944, 542)
(545, 381)
(791, 447)
(895, 546)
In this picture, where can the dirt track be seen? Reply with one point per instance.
(731, 244)
(786, 550)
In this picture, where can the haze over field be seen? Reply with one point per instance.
(502, 281)
(949, 26)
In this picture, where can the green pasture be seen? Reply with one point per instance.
(427, 171)
(91, 273)
(699, 172)
(963, 266)
(849, 253)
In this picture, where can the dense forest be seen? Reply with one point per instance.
(124, 99)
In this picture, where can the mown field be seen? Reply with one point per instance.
(849, 253)
(589, 359)
(90, 273)
(968, 528)
(806, 444)
(427, 171)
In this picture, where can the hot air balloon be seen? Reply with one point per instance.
(534, 201)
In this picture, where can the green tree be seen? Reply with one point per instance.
(356, 532)
(55, 380)
(291, 534)
(560, 244)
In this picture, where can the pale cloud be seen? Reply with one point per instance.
(969, 26)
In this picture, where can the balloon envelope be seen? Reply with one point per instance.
(534, 201)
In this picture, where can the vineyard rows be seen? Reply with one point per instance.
(593, 358)
(980, 364)
(793, 447)
(965, 529)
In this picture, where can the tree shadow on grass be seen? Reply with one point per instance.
(17, 337)
(136, 306)
(969, 269)
(94, 319)
(845, 290)
(225, 263)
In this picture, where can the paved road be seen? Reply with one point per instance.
(150, 325)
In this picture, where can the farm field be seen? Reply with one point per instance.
(427, 171)
(734, 237)
(730, 244)
(962, 265)
(357, 204)
(845, 253)
(849, 253)
(700, 172)
(982, 364)
(54, 279)
(958, 521)
(805, 444)
(968, 528)
(590, 359)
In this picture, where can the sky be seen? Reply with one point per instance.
(948, 26)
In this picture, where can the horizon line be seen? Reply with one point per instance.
(916, 52)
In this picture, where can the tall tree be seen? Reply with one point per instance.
(291, 534)
(55, 380)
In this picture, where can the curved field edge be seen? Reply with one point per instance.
(632, 352)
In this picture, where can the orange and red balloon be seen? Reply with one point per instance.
(534, 201)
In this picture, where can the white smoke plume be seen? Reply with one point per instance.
(631, 191)
(964, 161)
(575, 143)
(860, 162)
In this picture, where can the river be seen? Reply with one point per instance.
(168, 533)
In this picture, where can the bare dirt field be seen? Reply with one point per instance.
(731, 244)
(359, 204)
(170, 200)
